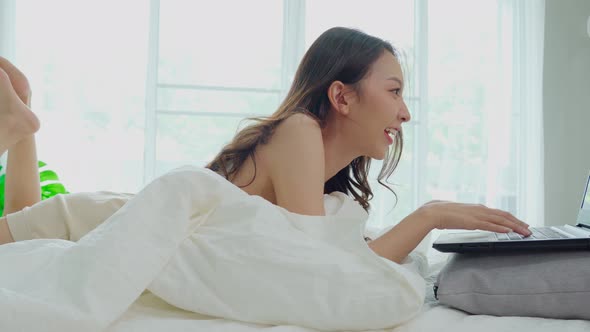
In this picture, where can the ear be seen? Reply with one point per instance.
(339, 96)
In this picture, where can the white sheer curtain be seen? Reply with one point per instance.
(528, 19)
(7, 16)
(474, 70)
(484, 113)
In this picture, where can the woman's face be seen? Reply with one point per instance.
(378, 106)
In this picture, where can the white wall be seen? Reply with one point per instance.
(566, 107)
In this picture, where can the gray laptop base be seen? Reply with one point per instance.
(502, 246)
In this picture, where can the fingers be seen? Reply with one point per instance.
(476, 216)
(504, 222)
(510, 217)
(488, 226)
(504, 214)
(505, 219)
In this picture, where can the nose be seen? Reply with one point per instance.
(404, 113)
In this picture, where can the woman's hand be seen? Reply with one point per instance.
(450, 215)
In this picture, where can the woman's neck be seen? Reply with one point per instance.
(337, 150)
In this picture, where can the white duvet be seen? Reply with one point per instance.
(199, 243)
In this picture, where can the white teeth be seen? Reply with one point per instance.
(391, 131)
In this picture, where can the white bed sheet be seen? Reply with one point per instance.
(149, 313)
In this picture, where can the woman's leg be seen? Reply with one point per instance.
(5, 235)
(26, 217)
(22, 187)
(64, 216)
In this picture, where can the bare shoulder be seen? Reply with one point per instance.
(296, 129)
(301, 119)
(297, 165)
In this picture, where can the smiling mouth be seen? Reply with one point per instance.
(390, 135)
(391, 131)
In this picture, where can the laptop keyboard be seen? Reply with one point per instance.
(538, 233)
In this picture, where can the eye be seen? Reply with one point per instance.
(396, 91)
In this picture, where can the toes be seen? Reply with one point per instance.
(5, 80)
(9, 67)
(19, 81)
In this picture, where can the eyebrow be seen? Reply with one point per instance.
(393, 78)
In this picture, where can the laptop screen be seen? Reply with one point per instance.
(584, 215)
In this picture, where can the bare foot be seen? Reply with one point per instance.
(16, 119)
(19, 81)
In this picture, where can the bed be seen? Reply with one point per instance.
(149, 313)
(191, 240)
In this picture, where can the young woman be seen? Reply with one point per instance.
(345, 107)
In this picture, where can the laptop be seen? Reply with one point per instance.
(543, 238)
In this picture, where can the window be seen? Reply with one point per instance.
(87, 71)
(213, 77)
(167, 83)
(214, 67)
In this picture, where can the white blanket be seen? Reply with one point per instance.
(201, 244)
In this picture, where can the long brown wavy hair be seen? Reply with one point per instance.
(339, 54)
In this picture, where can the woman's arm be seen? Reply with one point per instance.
(22, 177)
(399, 241)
